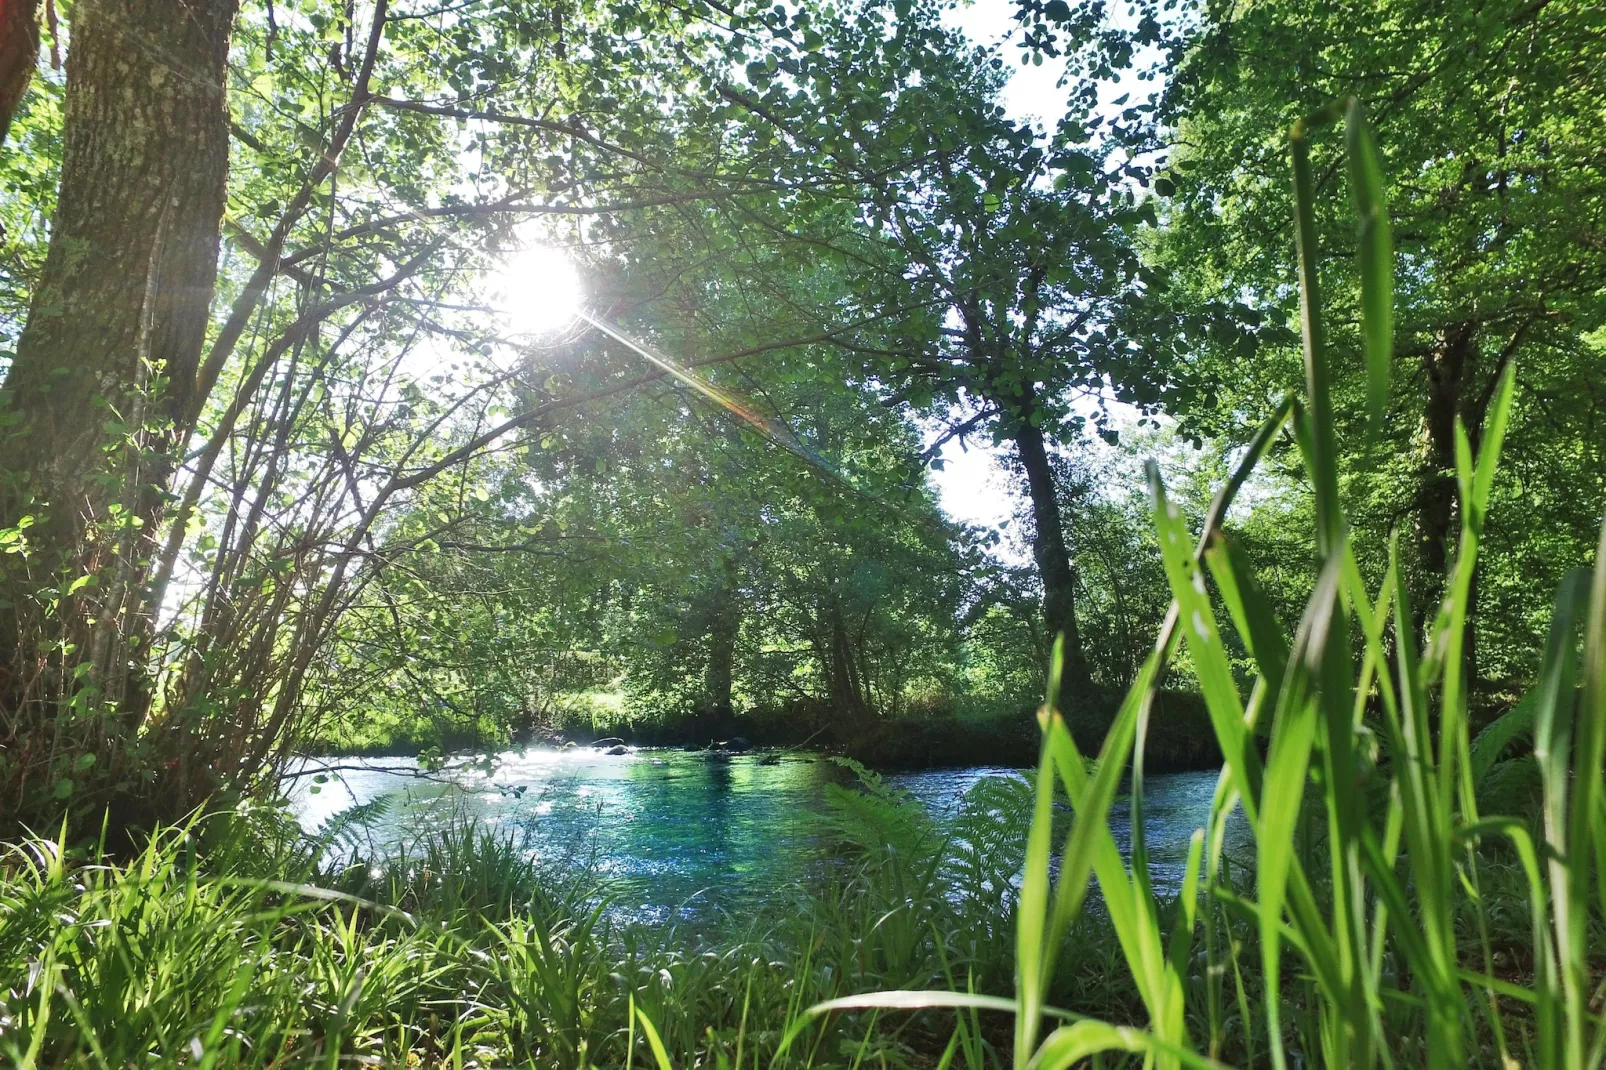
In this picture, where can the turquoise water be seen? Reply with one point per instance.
(678, 834)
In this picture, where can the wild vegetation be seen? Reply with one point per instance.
(291, 461)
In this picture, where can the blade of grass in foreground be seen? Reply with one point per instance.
(1032, 909)
(1070, 1045)
(1293, 734)
(1375, 252)
(1586, 835)
(1552, 751)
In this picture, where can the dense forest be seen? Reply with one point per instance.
(438, 378)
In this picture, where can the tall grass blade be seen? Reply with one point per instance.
(1586, 835)
(1250, 609)
(1324, 440)
(1375, 253)
(1553, 728)
(1204, 641)
(1031, 925)
(654, 1042)
(1293, 735)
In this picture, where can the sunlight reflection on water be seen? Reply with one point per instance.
(678, 834)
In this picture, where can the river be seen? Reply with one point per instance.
(676, 833)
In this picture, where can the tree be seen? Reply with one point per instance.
(272, 525)
(1000, 265)
(1499, 208)
(19, 53)
(105, 371)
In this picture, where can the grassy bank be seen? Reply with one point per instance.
(241, 942)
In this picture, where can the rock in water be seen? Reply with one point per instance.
(618, 748)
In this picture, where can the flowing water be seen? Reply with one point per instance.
(678, 833)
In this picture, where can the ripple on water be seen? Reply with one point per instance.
(676, 833)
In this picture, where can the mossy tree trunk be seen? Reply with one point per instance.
(105, 369)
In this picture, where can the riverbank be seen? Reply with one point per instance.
(242, 944)
(1180, 737)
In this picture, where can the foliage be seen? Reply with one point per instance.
(1497, 211)
(1378, 930)
(374, 465)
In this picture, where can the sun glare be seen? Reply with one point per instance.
(537, 292)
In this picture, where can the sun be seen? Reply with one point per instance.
(536, 292)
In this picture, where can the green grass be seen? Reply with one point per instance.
(1358, 916)
(236, 941)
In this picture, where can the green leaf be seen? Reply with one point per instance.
(1070, 1044)
(660, 1056)
(1375, 251)
(1031, 922)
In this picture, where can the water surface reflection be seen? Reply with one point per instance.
(677, 833)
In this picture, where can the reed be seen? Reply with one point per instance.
(1371, 924)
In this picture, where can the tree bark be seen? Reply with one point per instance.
(1458, 386)
(106, 365)
(1053, 559)
(19, 54)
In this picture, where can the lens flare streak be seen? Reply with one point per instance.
(767, 426)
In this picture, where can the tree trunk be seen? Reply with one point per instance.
(1448, 366)
(1053, 559)
(725, 621)
(107, 362)
(1456, 388)
(19, 53)
(104, 370)
(848, 700)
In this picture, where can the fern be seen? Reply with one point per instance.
(1502, 732)
(349, 834)
(874, 817)
(987, 839)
